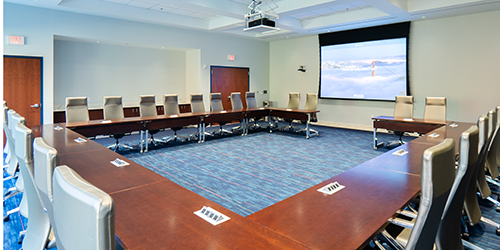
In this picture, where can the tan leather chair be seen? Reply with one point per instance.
(437, 178)
(403, 108)
(236, 104)
(293, 103)
(252, 103)
(147, 107)
(471, 204)
(216, 105)
(46, 158)
(311, 104)
(84, 216)
(37, 232)
(77, 109)
(435, 108)
(14, 119)
(449, 235)
(113, 109)
(197, 106)
(171, 107)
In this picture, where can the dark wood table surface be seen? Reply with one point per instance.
(161, 216)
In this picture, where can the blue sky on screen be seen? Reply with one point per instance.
(364, 50)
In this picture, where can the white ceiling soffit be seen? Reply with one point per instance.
(296, 17)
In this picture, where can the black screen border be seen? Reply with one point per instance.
(383, 32)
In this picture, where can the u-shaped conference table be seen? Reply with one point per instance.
(151, 212)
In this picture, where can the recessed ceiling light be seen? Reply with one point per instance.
(423, 16)
(287, 37)
(98, 41)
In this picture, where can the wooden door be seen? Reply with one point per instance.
(226, 80)
(22, 85)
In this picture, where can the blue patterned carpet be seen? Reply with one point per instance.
(247, 174)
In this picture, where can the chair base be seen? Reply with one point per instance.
(175, 137)
(10, 193)
(117, 145)
(15, 210)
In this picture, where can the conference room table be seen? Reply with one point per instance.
(421, 126)
(155, 213)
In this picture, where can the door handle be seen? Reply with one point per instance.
(36, 105)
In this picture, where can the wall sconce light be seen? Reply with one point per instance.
(302, 68)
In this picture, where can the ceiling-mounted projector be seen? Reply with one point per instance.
(260, 21)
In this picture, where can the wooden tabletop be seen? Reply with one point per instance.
(161, 216)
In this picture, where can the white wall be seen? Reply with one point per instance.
(39, 26)
(455, 57)
(96, 70)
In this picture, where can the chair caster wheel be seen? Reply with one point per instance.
(465, 236)
(498, 209)
(6, 218)
(498, 231)
(20, 239)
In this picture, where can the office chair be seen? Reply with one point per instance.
(45, 159)
(216, 105)
(147, 107)
(37, 232)
(293, 103)
(480, 186)
(197, 106)
(171, 107)
(14, 119)
(76, 109)
(236, 104)
(84, 216)
(449, 235)
(311, 104)
(6, 128)
(438, 171)
(435, 108)
(493, 148)
(113, 109)
(252, 103)
(403, 108)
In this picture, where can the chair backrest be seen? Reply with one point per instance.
(478, 181)
(251, 102)
(39, 223)
(403, 107)
(492, 121)
(113, 107)
(197, 104)
(449, 232)
(493, 154)
(293, 100)
(438, 174)
(147, 105)
(236, 100)
(497, 109)
(77, 109)
(45, 159)
(312, 104)
(83, 214)
(216, 102)
(14, 119)
(435, 108)
(5, 115)
(170, 104)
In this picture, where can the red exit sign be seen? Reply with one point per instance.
(16, 40)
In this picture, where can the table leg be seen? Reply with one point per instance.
(146, 139)
(307, 126)
(375, 144)
(142, 141)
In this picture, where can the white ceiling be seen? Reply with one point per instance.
(296, 17)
